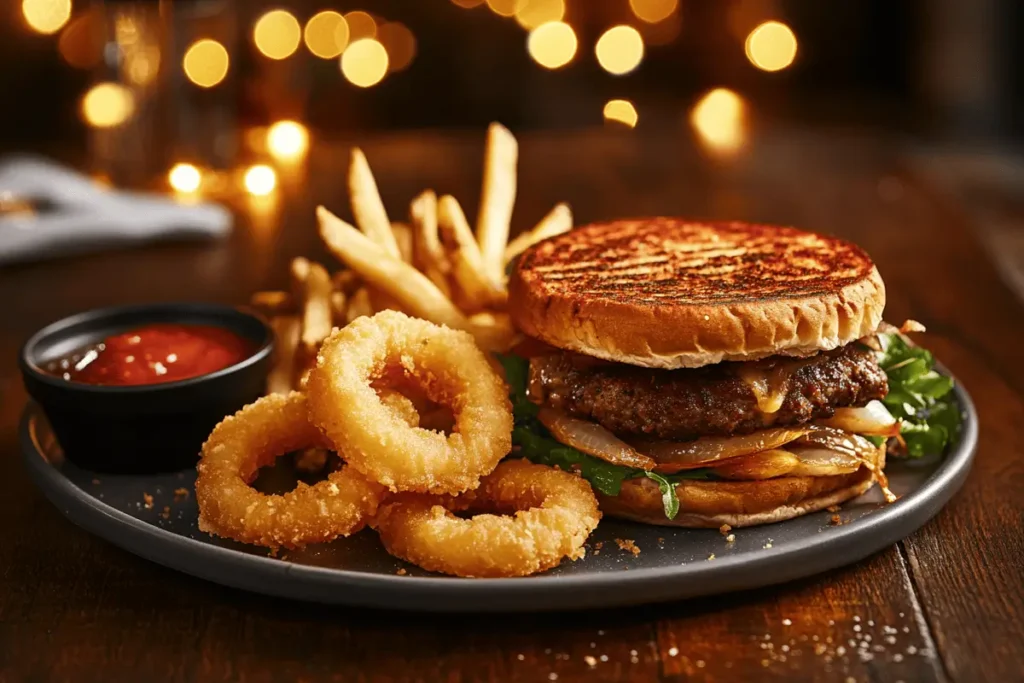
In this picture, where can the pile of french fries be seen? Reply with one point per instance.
(433, 267)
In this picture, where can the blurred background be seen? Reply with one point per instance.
(193, 94)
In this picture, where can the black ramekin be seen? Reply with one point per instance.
(150, 428)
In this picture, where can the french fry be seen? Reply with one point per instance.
(428, 253)
(494, 331)
(403, 237)
(314, 285)
(281, 378)
(468, 270)
(557, 221)
(359, 305)
(412, 289)
(498, 196)
(272, 303)
(339, 308)
(367, 207)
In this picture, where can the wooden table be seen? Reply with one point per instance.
(946, 604)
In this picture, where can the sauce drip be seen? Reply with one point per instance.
(154, 354)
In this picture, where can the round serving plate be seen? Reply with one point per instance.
(155, 517)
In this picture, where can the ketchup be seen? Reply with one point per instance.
(154, 354)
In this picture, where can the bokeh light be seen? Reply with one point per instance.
(107, 105)
(364, 62)
(552, 45)
(277, 34)
(400, 44)
(260, 180)
(206, 62)
(468, 4)
(620, 49)
(326, 34)
(142, 64)
(360, 25)
(81, 42)
(653, 11)
(506, 8)
(771, 46)
(185, 178)
(718, 119)
(664, 32)
(621, 111)
(287, 140)
(46, 16)
(532, 13)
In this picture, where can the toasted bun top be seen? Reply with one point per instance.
(674, 293)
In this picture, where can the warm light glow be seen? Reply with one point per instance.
(620, 49)
(287, 140)
(206, 63)
(552, 45)
(360, 25)
(718, 120)
(653, 11)
(400, 44)
(106, 105)
(621, 111)
(46, 16)
(506, 8)
(664, 32)
(326, 34)
(277, 34)
(771, 46)
(364, 63)
(468, 4)
(532, 13)
(81, 43)
(142, 64)
(260, 180)
(185, 178)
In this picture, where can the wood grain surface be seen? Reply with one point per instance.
(946, 604)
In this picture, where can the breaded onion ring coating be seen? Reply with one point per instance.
(375, 439)
(253, 438)
(542, 515)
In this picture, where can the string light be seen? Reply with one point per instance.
(400, 44)
(505, 8)
(620, 49)
(532, 13)
(621, 111)
(185, 178)
(107, 105)
(277, 34)
(360, 25)
(653, 11)
(46, 16)
(718, 120)
(326, 34)
(206, 63)
(771, 46)
(287, 140)
(260, 180)
(552, 45)
(364, 62)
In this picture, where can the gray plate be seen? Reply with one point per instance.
(672, 564)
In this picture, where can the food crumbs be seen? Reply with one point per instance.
(180, 495)
(401, 571)
(700, 663)
(787, 622)
(724, 529)
(731, 538)
(166, 513)
(835, 520)
(833, 508)
(591, 662)
(711, 557)
(628, 544)
(521, 657)
(603, 658)
(765, 663)
(897, 658)
(147, 501)
(856, 628)
(767, 545)
(552, 676)
(673, 651)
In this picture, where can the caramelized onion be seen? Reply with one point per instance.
(592, 439)
(673, 456)
(873, 419)
(838, 440)
(791, 462)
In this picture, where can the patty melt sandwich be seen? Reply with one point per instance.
(701, 374)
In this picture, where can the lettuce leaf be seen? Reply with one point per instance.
(536, 444)
(919, 396)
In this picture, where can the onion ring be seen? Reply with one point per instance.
(547, 515)
(375, 440)
(254, 437)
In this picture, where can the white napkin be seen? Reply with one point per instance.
(78, 216)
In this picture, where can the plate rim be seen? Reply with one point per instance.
(842, 545)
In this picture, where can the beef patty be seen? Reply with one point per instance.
(714, 400)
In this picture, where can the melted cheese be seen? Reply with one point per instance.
(770, 385)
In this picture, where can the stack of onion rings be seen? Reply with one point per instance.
(377, 441)
(254, 437)
(543, 515)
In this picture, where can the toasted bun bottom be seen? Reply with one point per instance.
(710, 504)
